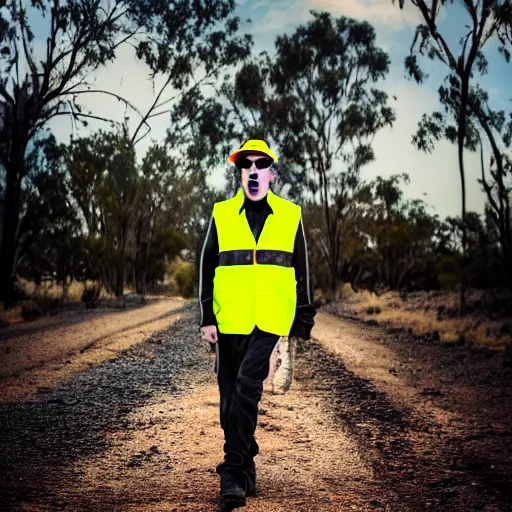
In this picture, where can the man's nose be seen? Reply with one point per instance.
(253, 172)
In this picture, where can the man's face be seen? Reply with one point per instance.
(255, 182)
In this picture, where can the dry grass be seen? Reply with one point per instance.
(49, 290)
(55, 291)
(419, 312)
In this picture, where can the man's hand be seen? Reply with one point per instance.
(210, 333)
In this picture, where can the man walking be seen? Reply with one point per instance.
(254, 287)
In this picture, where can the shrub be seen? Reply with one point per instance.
(344, 291)
(461, 339)
(91, 294)
(377, 310)
(48, 304)
(185, 275)
(507, 355)
(370, 310)
(448, 272)
(505, 329)
(18, 293)
(30, 310)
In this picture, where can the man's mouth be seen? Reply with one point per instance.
(253, 187)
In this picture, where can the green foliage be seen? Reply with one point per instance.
(317, 100)
(344, 291)
(310, 101)
(185, 276)
(467, 118)
(30, 310)
(402, 234)
(183, 44)
(448, 272)
(50, 226)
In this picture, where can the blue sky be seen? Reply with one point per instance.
(434, 177)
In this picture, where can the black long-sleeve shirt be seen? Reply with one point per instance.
(257, 213)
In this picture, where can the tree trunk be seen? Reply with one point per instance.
(65, 290)
(14, 170)
(500, 209)
(460, 142)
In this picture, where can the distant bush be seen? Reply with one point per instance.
(48, 304)
(461, 339)
(185, 276)
(377, 310)
(505, 329)
(507, 356)
(344, 291)
(448, 272)
(91, 294)
(30, 310)
(370, 310)
(18, 293)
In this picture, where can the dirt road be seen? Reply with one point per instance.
(39, 354)
(373, 420)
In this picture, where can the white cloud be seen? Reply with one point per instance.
(282, 15)
(378, 12)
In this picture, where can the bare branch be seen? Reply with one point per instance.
(100, 91)
(82, 40)
(486, 186)
(431, 22)
(463, 54)
(24, 39)
(142, 136)
(78, 114)
(144, 119)
(50, 48)
(472, 11)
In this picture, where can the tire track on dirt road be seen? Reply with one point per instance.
(126, 439)
(38, 359)
(141, 433)
(435, 439)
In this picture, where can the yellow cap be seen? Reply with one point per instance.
(253, 145)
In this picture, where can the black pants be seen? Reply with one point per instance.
(243, 363)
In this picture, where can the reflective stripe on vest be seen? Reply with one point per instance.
(251, 256)
(255, 283)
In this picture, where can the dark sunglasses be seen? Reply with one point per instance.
(262, 163)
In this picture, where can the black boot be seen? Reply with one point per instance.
(251, 480)
(232, 489)
(249, 475)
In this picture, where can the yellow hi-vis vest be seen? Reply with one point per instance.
(255, 283)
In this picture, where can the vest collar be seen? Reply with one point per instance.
(240, 197)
